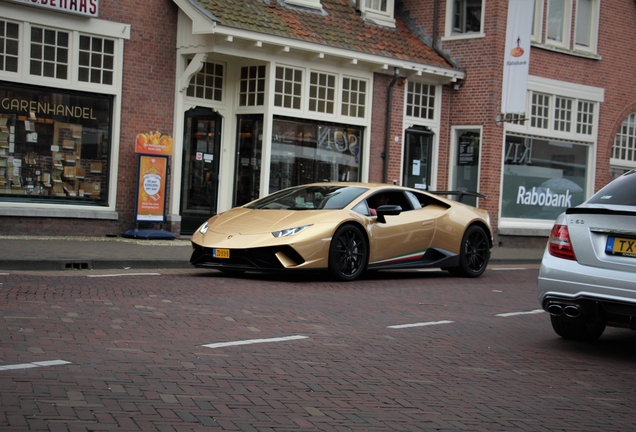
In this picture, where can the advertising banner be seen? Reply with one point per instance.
(86, 8)
(151, 188)
(517, 56)
(154, 143)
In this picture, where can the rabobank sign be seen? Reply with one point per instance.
(543, 197)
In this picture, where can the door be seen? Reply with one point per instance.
(201, 154)
(249, 147)
(465, 176)
(417, 158)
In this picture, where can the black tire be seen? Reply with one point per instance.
(569, 328)
(348, 253)
(474, 253)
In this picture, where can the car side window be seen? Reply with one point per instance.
(414, 201)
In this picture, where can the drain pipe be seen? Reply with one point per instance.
(387, 138)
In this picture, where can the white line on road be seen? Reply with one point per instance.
(509, 268)
(399, 326)
(35, 364)
(126, 274)
(254, 341)
(536, 311)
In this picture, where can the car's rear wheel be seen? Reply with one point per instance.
(348, 253)
(573, 329)
(474, 253)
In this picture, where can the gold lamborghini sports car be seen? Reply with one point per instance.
(347, 228)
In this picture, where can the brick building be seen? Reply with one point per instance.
(270, 94)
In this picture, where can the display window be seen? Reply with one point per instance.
(54, 145)
(306, 152)
(542, 178)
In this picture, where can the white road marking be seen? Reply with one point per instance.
(509, 268)
(126, 274)
(536, 311)
(253, 341)
(35, 364)
(399, 326)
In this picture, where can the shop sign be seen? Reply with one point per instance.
(87, 8)
(337, 139)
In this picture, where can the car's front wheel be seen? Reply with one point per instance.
(348, 253)
(569, 328)
(474, 253)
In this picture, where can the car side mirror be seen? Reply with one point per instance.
(387, 210)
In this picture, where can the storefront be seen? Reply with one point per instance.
(60, 111)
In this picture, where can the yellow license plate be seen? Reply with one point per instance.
(621, 246)
(221, 253)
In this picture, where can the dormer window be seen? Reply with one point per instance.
(378, 12)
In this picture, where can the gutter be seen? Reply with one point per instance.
(387, 138)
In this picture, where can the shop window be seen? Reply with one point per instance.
(585, 118)
(464, 17)
(322, 92)
(49, 53)
(9, 39)
(540, 111)
(543, 177)
(624, 149)
(562, 114)
(96, 60)
(252, 86)
(207, 83)
(54, 145)
(354, 97)
(288, 87)
(420, 100)
(306, 152)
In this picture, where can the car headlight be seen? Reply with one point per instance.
(204, 228)
(290, 231)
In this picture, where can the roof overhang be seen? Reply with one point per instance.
(204, 23)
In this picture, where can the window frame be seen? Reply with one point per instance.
(378, 16)
(592, 27)
(450, 33)
(630, 135)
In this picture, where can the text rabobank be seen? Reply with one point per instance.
(543, 197)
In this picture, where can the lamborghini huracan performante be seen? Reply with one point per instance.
(347, 228)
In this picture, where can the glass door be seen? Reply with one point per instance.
(248, 159)
(465, 176)
(417, 158)
(200, 182)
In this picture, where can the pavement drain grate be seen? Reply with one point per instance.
(78, 265)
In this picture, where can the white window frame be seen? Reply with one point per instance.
(450, 34)
(367, 97)
(566, 25)
(593, 29)
(377, 16)
(620, 163)
(194, 77)
(537, 27)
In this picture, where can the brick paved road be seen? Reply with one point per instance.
(137, 360)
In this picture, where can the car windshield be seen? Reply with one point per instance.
(618, 192)
(310, 197)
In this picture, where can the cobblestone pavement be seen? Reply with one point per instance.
(397, 351)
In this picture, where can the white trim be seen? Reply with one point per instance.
(313, 4)
(594, 28)
(449, 33)
(537, 29)
(567, 26)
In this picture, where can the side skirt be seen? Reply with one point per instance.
(431, 258)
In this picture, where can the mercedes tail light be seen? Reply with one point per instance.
(559, 244)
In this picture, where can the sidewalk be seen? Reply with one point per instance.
(107, 253)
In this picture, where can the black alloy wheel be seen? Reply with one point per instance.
(474, 253)
(348, 253)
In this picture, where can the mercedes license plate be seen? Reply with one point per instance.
(221, 253)
(621, 246)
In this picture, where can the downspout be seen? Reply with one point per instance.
(387, 139)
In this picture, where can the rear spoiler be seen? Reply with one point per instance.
(460, 194)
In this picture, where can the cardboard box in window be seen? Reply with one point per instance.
(96, 167)
(68, 144)
(69, 173)
(69, 159)
(58, 190)
(91, 189)
(80, 173)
